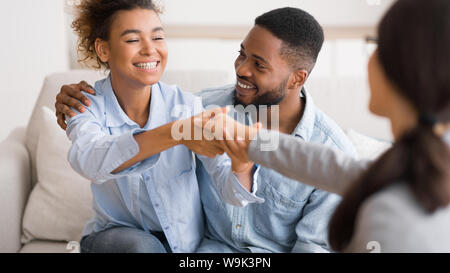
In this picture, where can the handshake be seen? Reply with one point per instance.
(213, 133)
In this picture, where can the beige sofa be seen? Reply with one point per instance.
(18, 168)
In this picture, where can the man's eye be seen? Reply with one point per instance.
(158, 38)
(132, 41)
(258, 65)
(241, 53)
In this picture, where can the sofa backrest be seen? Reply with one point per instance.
(346, 101)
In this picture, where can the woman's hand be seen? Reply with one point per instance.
(71, 96)
(233, 137)
(192, 133)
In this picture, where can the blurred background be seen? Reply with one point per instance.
(201, 35)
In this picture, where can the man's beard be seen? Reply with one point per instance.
(269, 98)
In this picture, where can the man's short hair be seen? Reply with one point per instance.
(301, 34)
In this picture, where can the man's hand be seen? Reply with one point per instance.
(237, 150)
(235, 139)
(71, 96)
(236, 144)
(233, 136)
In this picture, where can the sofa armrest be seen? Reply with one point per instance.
(15, 186)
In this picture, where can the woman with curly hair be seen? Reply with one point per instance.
(144, 185)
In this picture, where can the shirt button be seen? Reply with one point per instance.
(238, 226)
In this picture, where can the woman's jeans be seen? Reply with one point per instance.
(124, 240)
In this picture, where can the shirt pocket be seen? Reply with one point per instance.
(177, 162)
(279, 215)
(181, 173)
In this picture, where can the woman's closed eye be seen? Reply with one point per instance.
(159, 38)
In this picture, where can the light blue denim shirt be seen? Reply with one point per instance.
(294, 216)
(159, 193)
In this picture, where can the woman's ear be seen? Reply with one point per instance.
(298, 79)
(102, 50)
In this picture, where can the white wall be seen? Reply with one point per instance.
(243, 12)
(33, 45)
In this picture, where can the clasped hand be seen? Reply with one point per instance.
(213, 132)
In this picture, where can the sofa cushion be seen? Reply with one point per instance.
(367, 147)
(60, 203)
(49, 247)
(47, 98)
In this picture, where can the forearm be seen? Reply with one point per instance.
(312, 164)
(150, 143)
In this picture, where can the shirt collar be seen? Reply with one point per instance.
(305, 127)
(116, 117)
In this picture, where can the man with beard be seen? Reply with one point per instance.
(274, 61)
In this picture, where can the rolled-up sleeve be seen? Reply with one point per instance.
(95, 154)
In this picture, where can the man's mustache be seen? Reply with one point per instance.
(244, 79)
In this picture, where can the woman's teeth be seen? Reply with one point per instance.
(241, 85)
(147, 66)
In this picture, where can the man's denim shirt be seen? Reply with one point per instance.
(294, 216)
(160, 193)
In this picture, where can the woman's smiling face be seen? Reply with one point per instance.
(136, 51)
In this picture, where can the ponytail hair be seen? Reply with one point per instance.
(414, 42)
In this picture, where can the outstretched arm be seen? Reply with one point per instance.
(313, 164)
(99, 156)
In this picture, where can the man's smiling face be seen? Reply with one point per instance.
(262, 73)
